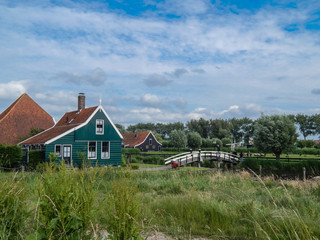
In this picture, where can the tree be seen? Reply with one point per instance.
(166, 129)
(194, 140)
(275, 134)
(201, 126)
(178, 139)
(219, 128)
(316, 122)
(306, 125)
(235, 129)
(121, 128)
(247, 128)
(157, 136)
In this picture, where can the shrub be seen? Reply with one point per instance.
(207, 143)
(217, 142)
(35, 157)
(305, 143)
(225, 141)
(10, 156)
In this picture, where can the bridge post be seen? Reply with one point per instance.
(218, 163)
(199, 159)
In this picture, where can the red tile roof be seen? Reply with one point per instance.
(68, 121)
(22, 115)
(134, 139)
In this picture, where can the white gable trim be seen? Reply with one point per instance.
(84, 124)
(146, 139)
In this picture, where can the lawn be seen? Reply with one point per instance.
(181, 204)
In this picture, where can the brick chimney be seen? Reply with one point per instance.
(81, 101)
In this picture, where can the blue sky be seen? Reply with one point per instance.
(163, 61)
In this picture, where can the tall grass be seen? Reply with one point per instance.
(78, 204)
(13, 207)
(229, 206)
(122, 206)
(66, 204)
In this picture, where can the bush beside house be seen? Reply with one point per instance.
(10, 156)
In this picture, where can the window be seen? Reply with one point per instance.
(150, 141)
(99, 126)
(57, 150)
(66, 151)
(105, 150)
(92, 150)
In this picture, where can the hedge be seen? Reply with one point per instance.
(154, 159)
(305, 151)
(275, 165)
(10, 156)
(131, 150)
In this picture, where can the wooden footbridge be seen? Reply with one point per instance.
(199, 156)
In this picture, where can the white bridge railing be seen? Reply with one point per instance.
(199, 156)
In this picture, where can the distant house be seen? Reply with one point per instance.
(18, 119)
(145, 141)
(85, 133)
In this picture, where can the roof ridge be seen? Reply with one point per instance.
(11, 107)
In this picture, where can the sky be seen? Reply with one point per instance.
(162, 60)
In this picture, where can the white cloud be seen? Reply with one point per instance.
(12, 89)
(150, 99)
(251, 51)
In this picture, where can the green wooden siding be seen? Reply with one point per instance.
(80, 138)
(88, 132)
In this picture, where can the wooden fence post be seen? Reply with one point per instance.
(304, 174)
(260, 170)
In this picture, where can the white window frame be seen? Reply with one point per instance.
(99, 132)
(61, 150)
(150, 141)
(108, 157)
(95, 157)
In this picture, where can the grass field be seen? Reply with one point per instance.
(180, 204)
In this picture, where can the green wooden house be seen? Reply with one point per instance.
(87, 133)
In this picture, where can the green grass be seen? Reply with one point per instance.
(183, 204)
(142, 165)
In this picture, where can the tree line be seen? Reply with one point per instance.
(237, 129)
(275, 133)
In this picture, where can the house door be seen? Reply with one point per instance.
(67, 154)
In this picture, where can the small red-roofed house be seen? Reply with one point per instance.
(145, 141)
(20, 117)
